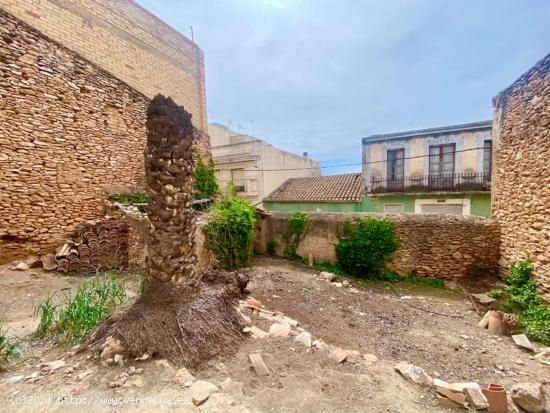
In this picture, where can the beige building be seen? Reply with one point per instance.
(255, 167)
(441, 170)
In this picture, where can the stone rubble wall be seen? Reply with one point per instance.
(442, 246)
(68, 132)
(521, 170)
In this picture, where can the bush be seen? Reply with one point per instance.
(230, 230)
(366, 249)
(206, 185)
(522, 296)
(271, 247)
(73, 319)
(294, 233)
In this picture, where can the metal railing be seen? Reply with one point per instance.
(463, 182)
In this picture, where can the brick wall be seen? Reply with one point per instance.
(521, 170)
(126, 40)
(442, 246)
(67, 130)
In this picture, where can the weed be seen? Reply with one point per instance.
(294, 233)
(8, 350)
(204, 179)
(73, 319)
(271, 248)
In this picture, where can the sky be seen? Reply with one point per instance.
(318, 75)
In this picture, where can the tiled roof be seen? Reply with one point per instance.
(335, 188)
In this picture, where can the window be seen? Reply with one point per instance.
(455, 206)
(393, 208)
(487, 156)
(396, 159)
(237, 176)
(442, 167)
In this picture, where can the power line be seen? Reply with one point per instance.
(361, 163)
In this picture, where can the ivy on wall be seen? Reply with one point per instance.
(294, 233)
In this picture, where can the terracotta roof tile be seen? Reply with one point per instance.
(335, 188)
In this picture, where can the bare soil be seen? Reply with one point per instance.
(435, 329)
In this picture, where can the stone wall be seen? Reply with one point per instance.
(67, 130)
(521, 170)
(126, 40)
(442, 246)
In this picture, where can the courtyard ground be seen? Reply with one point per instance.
(435, 329)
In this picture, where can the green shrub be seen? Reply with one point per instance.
(206, 185)
(230, 230)
(8, 350)
(271, 248)
(521, 297)
(131, 198)
(294, 233)
(367, 248)
(74, 318)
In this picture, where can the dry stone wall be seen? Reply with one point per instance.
(521, 170)
(442, 246)
(67, 130)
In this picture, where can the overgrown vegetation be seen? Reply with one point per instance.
(206, 185)
(131, 198)
(294, 233)
(271, 247)
(366, 247)
(72, 320)
(522, 298)
(8, 349)
(230, 230)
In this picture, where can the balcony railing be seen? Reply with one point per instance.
(464, 182)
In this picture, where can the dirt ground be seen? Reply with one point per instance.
(432, 328)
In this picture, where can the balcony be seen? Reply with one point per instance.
(463, 182)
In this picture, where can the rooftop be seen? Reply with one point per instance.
(334, 188)
(464, 127)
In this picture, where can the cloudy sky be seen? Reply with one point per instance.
(318, 75)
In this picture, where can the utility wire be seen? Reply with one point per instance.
(358, 164)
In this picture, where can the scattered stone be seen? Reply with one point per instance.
(246, 319)
(258, 332)
(353, 356)
(53, 365)
(304, 338)
(14, 379)
(232, 387)
(346, 283)
(247, 330)
(445, 402)
(483, 299)
(22, 266)
(451, 392)
(201, 389)
(83, 375)
(111, 347)
(253, 303)
(337, 284)
(529, 396)
(165, 364)
(327, 276)
(222, 368)
(200, 398)
(279, 330)
(496, 325)
(475, 397)
(258, 364)
(48, 262)
(370, 358)
(522, 341)
(338, 355)
(221, 400)
(143, 357)
(414, 373)
(320, 345)
(119, 359)
(484, 322)
(135, 382)
(182, 376)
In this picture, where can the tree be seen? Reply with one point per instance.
(177, 316)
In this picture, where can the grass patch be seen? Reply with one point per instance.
(8, 349)
(521, 297)
(73, 319)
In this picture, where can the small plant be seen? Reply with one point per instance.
(294, 233)
(131, 198)
(271, 247)
(230, 230)
(206, 185)
(521, 297)
(8, 350)
(367, 248)
(73, 319)
(329, 267)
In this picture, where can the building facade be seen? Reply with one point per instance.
(253, 165)
(126, 40)
(438, 170)
(521, 174)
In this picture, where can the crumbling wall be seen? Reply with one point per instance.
(442, 246)
(521, 170)
(67, 130)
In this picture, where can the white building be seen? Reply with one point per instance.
(255, 167)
